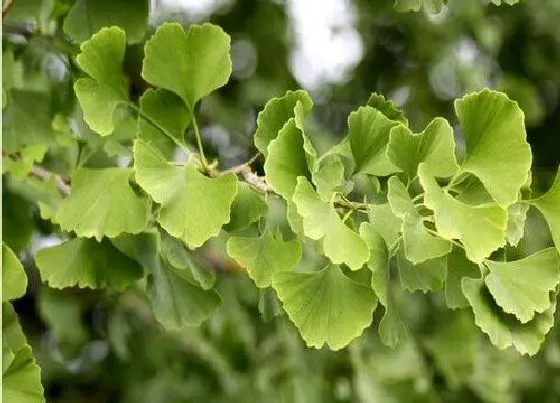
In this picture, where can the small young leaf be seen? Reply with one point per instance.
(504, 330)
(321, 221)
(326, 306)
(549, 206)
(368, 130)
(276, 113)
(286, 160)
(14, 279)
(517, 214)
(84, 262)
(103, 203)
(426, 276)
(248, 206)
(434, 146)
(458, 266)
(201, 62)
(522, 287)
(185, 195)
(102, 59)
(481, 229)
(265, 256)
(328, 176)
(387, 107)
(497, 151)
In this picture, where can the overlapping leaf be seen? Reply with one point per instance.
(14, 280)
(201, 62)
(193, 206)
(321, 221)
(426, 276)
(247, 207)
(549, 206)
(458, 266)
(386, 107)
(103, 203)
(99, 95)
(326, 306)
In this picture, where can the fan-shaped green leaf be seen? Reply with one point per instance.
(522, 287)
(99, 95)
(368, 130)
(276, 113)
(201, 62)
(85, 262)
(14, 280)
(321, 221)
(497, 151)
(504, 329)
(193, 206)
(265, 256)
(88, 16)
(434, 146)
(247, 207)
(386, 107)
(481, 229)
(426, 276)
(103, 203)
(326, 306)
(549, 206)
(286, 160)
(458, 266)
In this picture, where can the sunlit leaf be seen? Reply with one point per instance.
(386, 107)
(14, 279)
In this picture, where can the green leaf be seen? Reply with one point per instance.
(328, 176)
(369, 136)
(381, 216)
(103, 203)
(163, 110)
(456, 364)
(549, 206)
(248, 207)
(426, 276)
(276, 113)
(265, 256)
(286, 160)
(517, 214)
(481, 229)
(435, 146)
(88, 16)
(399, 199)
(21, 167)
(522, 287)
(504, 329)
(326, 306)
(497, 151)
(186, 196)
(14, 279)
(378, 261)
(508, 2)
(321, 221)
(101, 58)
(201, 62)
(458, 266)
(392, 330)
(21, 376)
(387, 107)
(431, 6)
(85, 262)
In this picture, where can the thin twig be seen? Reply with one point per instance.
(242, 167)
(44, 175)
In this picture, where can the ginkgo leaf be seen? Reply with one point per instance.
(328, 176)
(517, 214)
(378, 261)
(21, 376)
(247, 207)
(286, 160)
(14, 279)
(264, 256)
(399, 199)
(434, 146)
(326, 306)
(497, 151)
(162, 109)
(458, 266)
(193, 207)
(426, 276)
(522, 287)
(99, 95)
(392, 330)
(88, 16)
(275, 114)
(504, 330)
(368, 130)
(549, 206)
(381, 216)
(321, 221)
(103, 203)
(481, 229)
(85, 262)
(201, 62)
(386, 107)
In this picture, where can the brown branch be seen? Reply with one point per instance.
(6, 7)
(44, 175)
